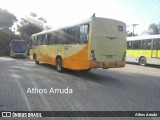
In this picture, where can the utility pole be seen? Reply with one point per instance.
(134, 25)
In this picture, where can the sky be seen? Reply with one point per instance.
(60, 13)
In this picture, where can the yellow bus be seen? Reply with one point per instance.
(93, 43)
(143, 49)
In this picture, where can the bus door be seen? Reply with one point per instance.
(155, 49)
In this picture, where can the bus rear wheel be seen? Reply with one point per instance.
(142, 61)
(59, 66)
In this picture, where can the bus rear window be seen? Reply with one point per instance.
(120, 28)
(84, 31)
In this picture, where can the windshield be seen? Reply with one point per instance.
(19, 46)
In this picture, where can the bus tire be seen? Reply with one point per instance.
(59, 66)
(35, 59)
(142, 61)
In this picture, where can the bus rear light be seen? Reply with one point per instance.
(93, 55)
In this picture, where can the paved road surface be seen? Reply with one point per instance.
(124, 89)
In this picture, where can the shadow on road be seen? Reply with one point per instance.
(108, 78)
(95, 75)
(148, 65)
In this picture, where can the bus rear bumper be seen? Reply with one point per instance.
(84, 65)
(106, 65)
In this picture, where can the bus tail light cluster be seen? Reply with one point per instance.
(124, 56)
(93, 55)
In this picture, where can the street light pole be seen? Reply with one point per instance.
(134, 25)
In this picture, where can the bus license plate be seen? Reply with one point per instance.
(113, 63)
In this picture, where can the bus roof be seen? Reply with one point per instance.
(83, 22)
(52, 30)
(143, 37)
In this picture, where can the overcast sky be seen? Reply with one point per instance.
(60, 13)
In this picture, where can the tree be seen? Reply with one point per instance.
(158, 28)
(130, 34)
(42, 19)
(145, 32)
(153, 29)
(6, 19)
(31, 25)
(33, 14)
(27, 28)
(6, 35)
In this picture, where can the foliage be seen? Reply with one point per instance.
(130, 34)
(6, 19)
(42, 19)
(6, 36)
(153, 29)
(145, 32)
(30, 26)
(26, 29)
(33, 14)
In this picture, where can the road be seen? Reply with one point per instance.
(132, 88)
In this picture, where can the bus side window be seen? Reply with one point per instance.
(146, 44)
(137, 44)
(30, 44)
(47, 39)
(154, 46)
(158, 44)
(51, 39)
(38, 40)
(43, 39)
(57, 38)
(35, 41)
(129, 44)
(71, 36)
(84, 31)
(62, 34)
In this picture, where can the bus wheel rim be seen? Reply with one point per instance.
(142, 61)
